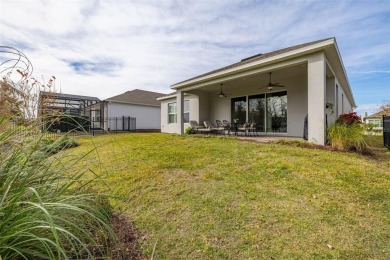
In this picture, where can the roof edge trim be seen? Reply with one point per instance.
(302, 50)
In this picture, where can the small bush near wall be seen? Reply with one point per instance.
(189, 131)
(347, 133)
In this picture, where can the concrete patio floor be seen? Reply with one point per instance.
(268, 139)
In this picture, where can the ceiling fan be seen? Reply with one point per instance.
(221, 94)
(271, 85)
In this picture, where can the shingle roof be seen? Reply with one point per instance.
(138, 96)
(377, 115)
(256, 58)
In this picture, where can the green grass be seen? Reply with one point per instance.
(374, 141)
(212, 198)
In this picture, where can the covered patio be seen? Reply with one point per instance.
(309, 77)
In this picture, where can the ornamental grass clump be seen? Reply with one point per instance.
(46, 209)
(347, 134)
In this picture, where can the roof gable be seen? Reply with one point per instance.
(137, 96)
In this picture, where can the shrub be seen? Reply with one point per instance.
(53, 146)
(189, 131)
(369, 127)
(349, 119)
(46, 209)
(347, 136)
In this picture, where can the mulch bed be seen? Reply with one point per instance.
(127, 246)
(366, 152)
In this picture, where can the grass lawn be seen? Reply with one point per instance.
(209, 197)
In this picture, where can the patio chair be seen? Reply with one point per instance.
(228, 126)
(226, 123)
(244, 128)
(223, 126)
(196, 126)
(212, 128)
(252, 129)
(202, 129)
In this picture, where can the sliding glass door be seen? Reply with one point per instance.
(268, 111)
(256, 112)
(239, 110)
(277, 112)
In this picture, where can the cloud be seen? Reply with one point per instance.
(91, 67)
(372, 72)
(367, 108)
(107, 47)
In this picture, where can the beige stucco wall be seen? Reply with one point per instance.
(343, 107)
(316, 84)
(330, 98)
(339, 107)
(173, 127)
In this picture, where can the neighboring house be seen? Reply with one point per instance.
(140, 104)
(313, 76)
(375, 119)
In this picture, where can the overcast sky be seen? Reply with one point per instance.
(104, 48)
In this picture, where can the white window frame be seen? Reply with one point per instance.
(186, 112)
(175, 113)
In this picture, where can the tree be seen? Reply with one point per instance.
(385, 107)
(10, 102)
(19, 91)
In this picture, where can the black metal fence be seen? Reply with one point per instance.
(55, 126)
(124, 123)
(87, 124)
(386, 131)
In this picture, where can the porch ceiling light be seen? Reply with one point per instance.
(221, 94)
(270, 85)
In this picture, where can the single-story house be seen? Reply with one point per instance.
(113, 113)
(276, 90)
(375, 119)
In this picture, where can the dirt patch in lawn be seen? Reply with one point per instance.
(127, 246)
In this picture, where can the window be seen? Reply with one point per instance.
(186, 111)
(172, 114)
(375, 122)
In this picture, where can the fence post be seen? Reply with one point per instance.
(123, 123)
(128, 124)
(116, 124)
(386, 131)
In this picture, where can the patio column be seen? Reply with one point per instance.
(180, 112)
(316, 83)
